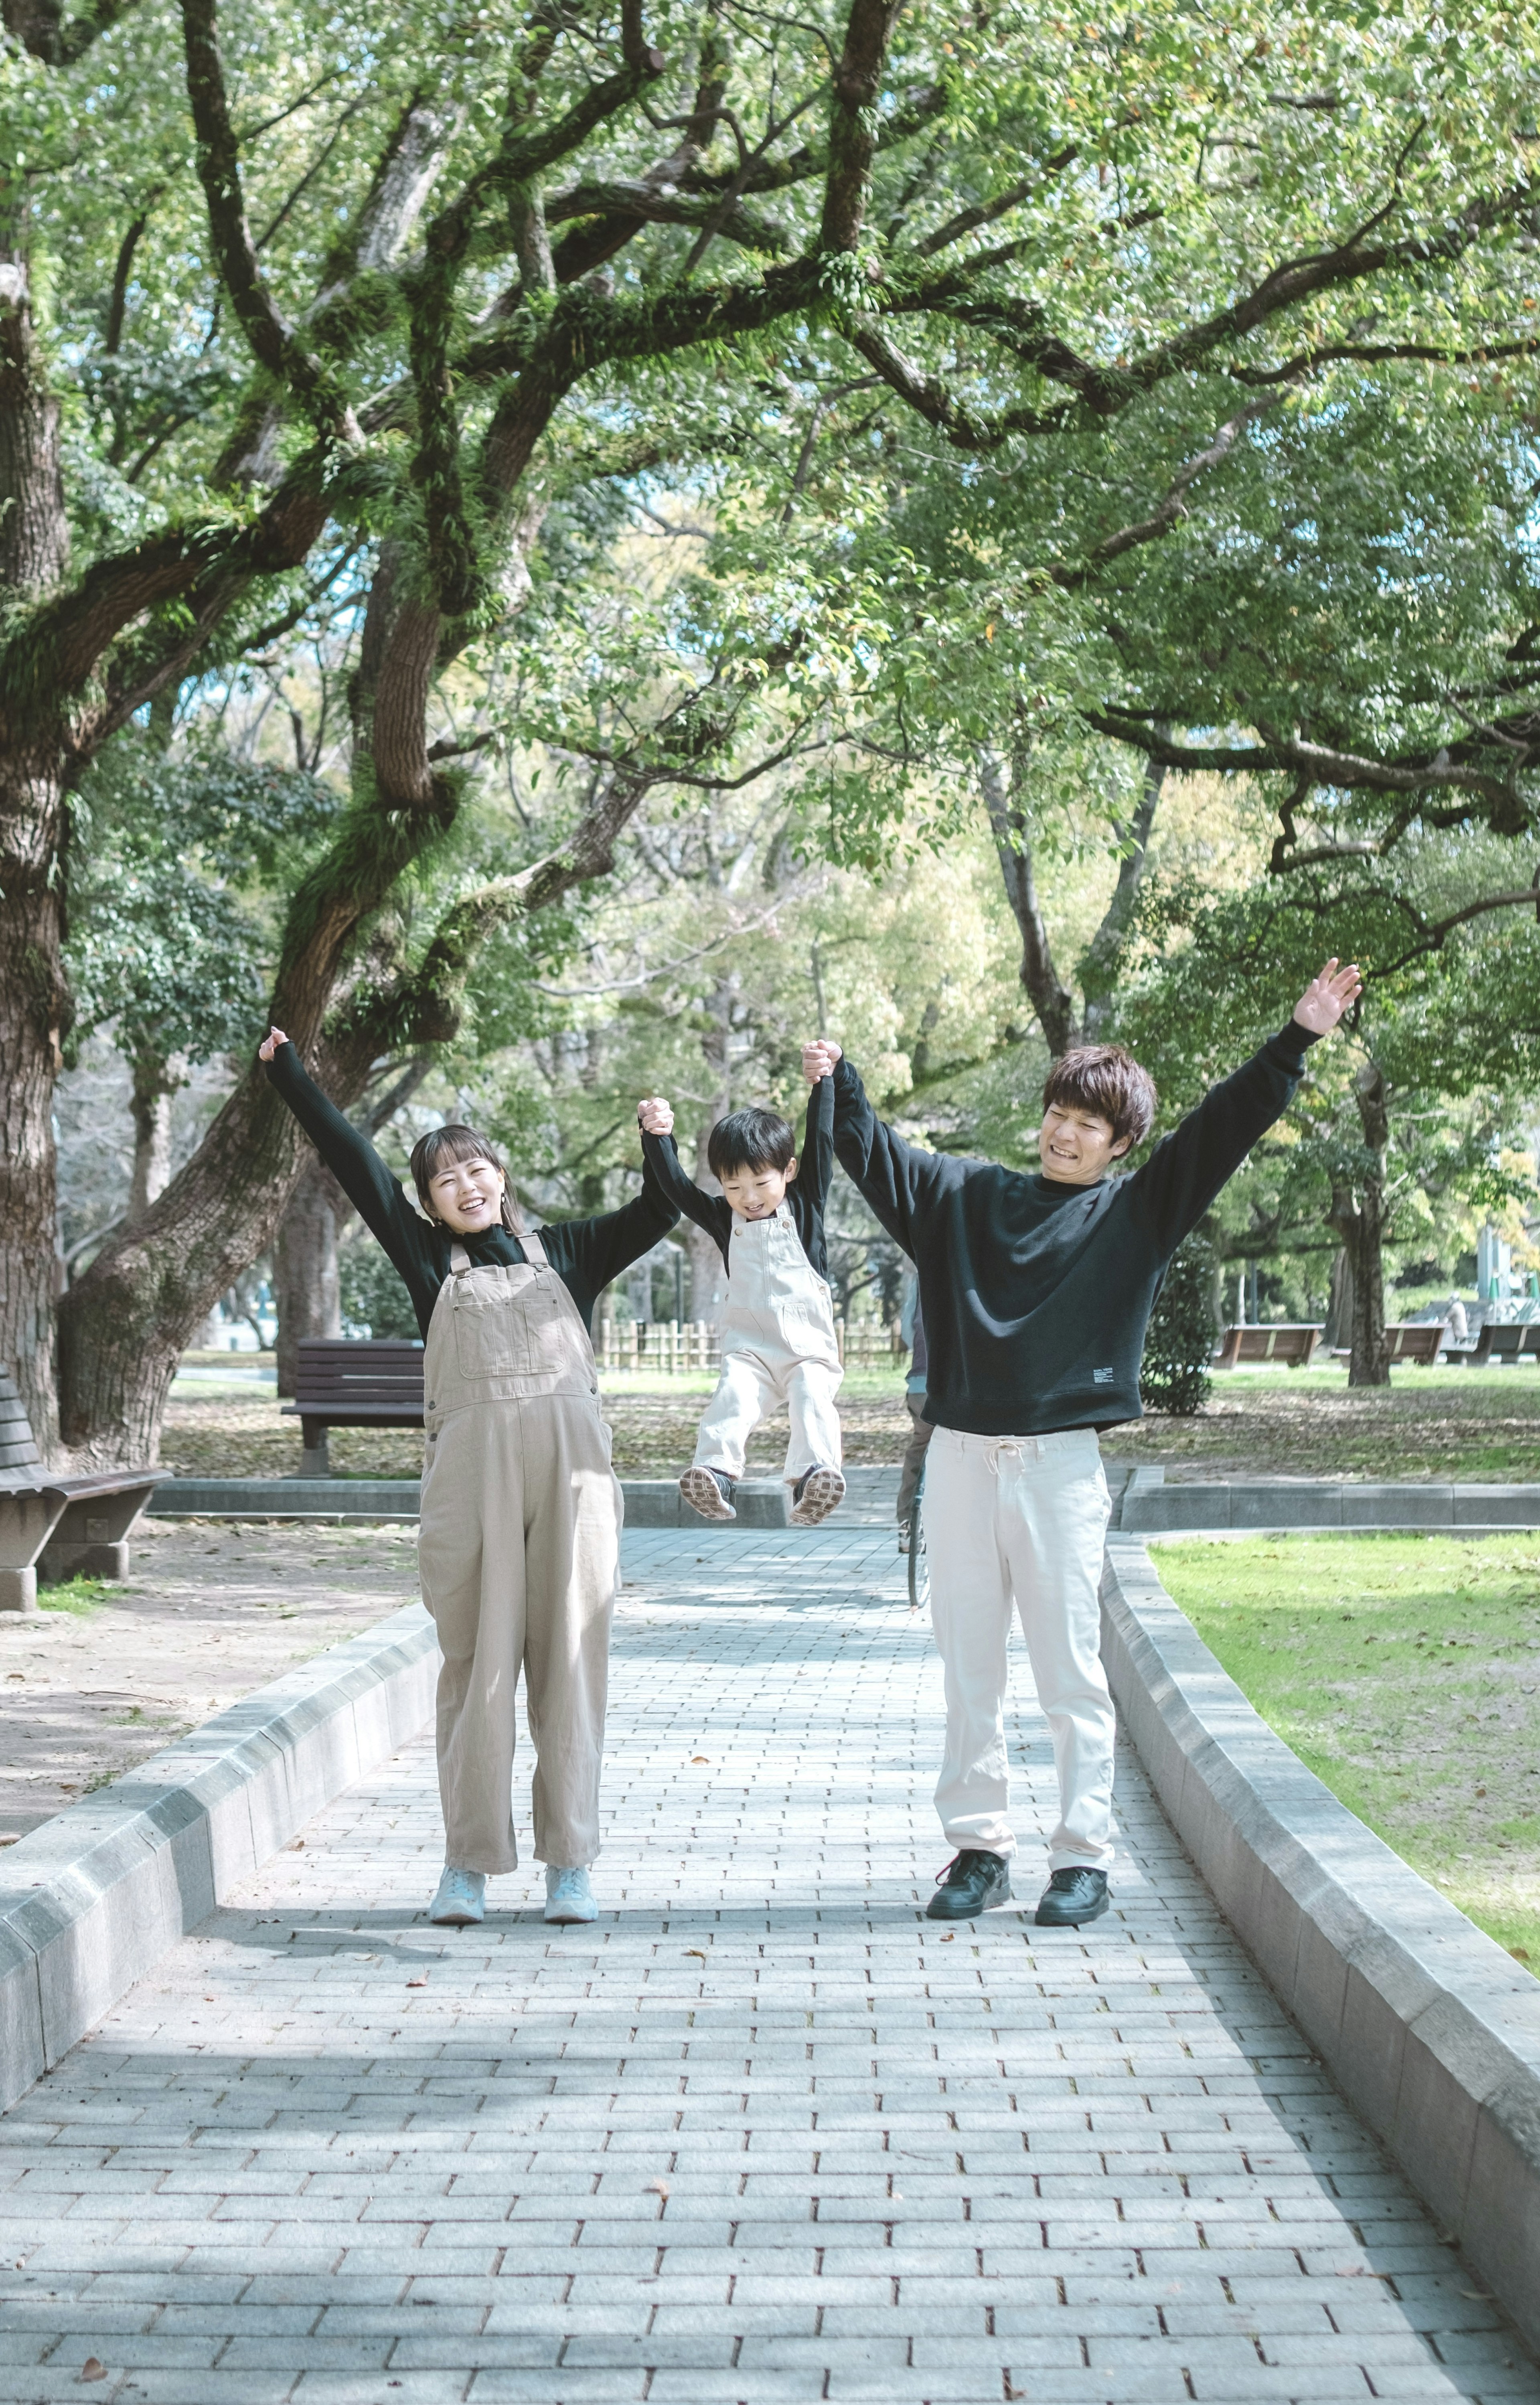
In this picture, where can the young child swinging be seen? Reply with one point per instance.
(778, 1340)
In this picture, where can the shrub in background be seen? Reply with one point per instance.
(1174, 1375)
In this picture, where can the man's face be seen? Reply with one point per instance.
(758, 1193)
(1075, 1148)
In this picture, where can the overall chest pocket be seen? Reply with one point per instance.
(489, 1340)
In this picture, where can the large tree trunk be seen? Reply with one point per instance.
(307, 1288)
(35, 1007)
(123, 1324)
(1339, 1308)
(1358, 1217)
(34, 1015)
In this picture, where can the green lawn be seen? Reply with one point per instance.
(1406, 1671)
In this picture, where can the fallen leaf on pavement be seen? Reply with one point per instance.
(93, 2369)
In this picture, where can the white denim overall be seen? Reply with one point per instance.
(778, 1345)
(519, 1544)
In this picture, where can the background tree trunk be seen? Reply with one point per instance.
(1358, 1215)
(1339, 1309)
(306, 1288)
(150, 1104)
(1053, 1003)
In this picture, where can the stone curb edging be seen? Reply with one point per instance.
(1150, 1505)
(91, 1901)
(1429, 2029)
(650, 1502)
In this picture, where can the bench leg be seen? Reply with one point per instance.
(315, 1460)
(18, 1590)
(61, 1561)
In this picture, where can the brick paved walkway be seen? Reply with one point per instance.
(764, 2133)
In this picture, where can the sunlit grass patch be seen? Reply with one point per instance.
(1406, 1671)
(79, 1595)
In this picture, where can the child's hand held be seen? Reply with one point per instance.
(270, 1043)
(655, 1116)
(818, 1058)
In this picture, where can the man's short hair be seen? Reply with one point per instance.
(1104, 1079)
(751, 1139)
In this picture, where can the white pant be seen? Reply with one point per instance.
(750, 1388)
(777, 1346)
(1019, 1523)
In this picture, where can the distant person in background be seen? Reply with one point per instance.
(519, 1535)
(911, 1328)
(1456, 1322)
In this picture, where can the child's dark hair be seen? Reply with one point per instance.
(1108, 1081)
(751, 1139)
(440, 1147)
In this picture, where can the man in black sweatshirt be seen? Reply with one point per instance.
(1036, 1291)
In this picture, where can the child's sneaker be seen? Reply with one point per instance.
(710, 1491)
(905, 1534)
(816, 1495)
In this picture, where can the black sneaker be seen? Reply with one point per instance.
(816, 1495)
(710, 1493)
(975, 1882)
(1071, 1897)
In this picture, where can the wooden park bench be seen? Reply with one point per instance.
(1292, 1345)
(352, 1382)
(57, 1528)
(1513, 1340)
(1410, 1340)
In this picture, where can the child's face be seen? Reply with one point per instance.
(756, 1193)
(1077, 1148)
(467, 1195)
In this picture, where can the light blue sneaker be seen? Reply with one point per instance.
(568, 1894)
(462, 1898)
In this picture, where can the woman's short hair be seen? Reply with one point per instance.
(440, 1147)
(1106, 1080)
(751, 1139)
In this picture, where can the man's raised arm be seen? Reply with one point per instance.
(1187, 1170)
(897, 1179)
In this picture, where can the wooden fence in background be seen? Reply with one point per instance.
(675, 1348)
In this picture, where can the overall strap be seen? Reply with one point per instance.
(460, 1260)
(534, 1251)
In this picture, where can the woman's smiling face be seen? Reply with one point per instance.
(467, 1195)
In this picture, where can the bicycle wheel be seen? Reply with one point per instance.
(919, 1560)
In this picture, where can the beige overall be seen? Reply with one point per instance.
(519, 1544)
(778, 1345)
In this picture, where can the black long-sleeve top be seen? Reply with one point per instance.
(806, 1196)
(1036, 1294)
(586, 1254)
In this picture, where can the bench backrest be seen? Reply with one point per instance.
(1508, 1340)
(18, 1445)
(1291, 1342)
(1417, 1340)
(354, 1372)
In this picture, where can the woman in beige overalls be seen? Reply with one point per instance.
(521, 1520)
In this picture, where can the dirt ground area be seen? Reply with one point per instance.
(111, 1674)
(235, 1434)
(1433, 1424)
